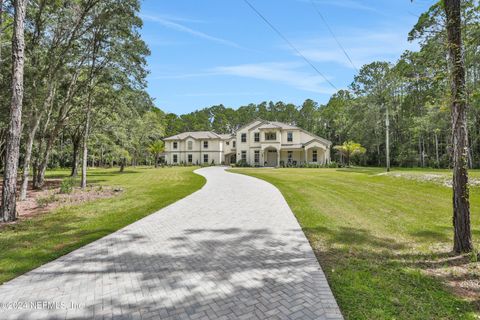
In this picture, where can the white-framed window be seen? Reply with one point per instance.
(244, 155)
(205, 144)
(257, 156)
(175, 158)
(190, 158)
(175, 145)
(190, 145)
(289, 136)
(205, 158)
(269, 136)
(314, 156)
(244, 137)
(256, 136)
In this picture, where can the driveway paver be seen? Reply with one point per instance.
(232, 250)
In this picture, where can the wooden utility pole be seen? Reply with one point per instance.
(8, 210)
(387, 137)
(462, 240)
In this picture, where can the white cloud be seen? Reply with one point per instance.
(346, 4)
(173, 23)
(362, 46)
(286, 73)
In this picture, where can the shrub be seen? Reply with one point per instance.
(45, 201)
(242, 164)
(66, 187)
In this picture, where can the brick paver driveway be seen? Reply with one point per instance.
(232, 250)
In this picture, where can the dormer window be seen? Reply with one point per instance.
(175, 145)
(270, 136)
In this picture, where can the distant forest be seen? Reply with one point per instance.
(415, 90)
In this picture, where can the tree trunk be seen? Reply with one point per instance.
(83, 183)
(76, 145)
(436, 150)
(35, 123)
(122, 164)
(8, 211)
(462, 240)
(387, 139)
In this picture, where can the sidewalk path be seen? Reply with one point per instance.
(232, 250)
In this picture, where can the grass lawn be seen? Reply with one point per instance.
(33, 242)
(384, 240)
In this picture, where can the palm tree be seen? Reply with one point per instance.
(156, 149)
(349, 149)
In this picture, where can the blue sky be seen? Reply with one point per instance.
(220, 52)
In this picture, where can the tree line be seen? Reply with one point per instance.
(415, 91)
(72, 78)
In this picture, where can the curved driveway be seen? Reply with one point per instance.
(232, 250)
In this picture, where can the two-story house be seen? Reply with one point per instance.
(259, 143)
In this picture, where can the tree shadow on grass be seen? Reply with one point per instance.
(380, 277)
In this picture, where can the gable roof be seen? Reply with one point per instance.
(194, 135)
(226, 136)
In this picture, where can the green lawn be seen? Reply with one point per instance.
(33, 242)
(382, 240)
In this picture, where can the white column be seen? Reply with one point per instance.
(278, 157)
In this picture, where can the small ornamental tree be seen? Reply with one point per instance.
(156, 149)
(349, 149)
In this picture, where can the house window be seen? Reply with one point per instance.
(244, 155)
(227, 143)
(257, 136)
(175, 145)
(244, 137)
(269, 136)
(190, 158)
(257, 156)
(290, 156)
(175, 158)
(234, 143)
(205, 158)
(314, 156)
(205, 144)
(290, 136)
(190, 145)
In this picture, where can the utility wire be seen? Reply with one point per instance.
(290, 44)
(333, 34)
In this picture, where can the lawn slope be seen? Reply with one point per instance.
(383, 241)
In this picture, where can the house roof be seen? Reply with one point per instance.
(258, 123)
(226, 136)
(276, 124)
(195, 135)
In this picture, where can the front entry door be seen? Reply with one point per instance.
(272, 158)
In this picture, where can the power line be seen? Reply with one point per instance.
(290, 44)
(333, 34)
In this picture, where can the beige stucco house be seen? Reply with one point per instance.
(259, 143)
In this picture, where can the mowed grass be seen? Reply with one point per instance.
(33, 242)
(383, 241)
